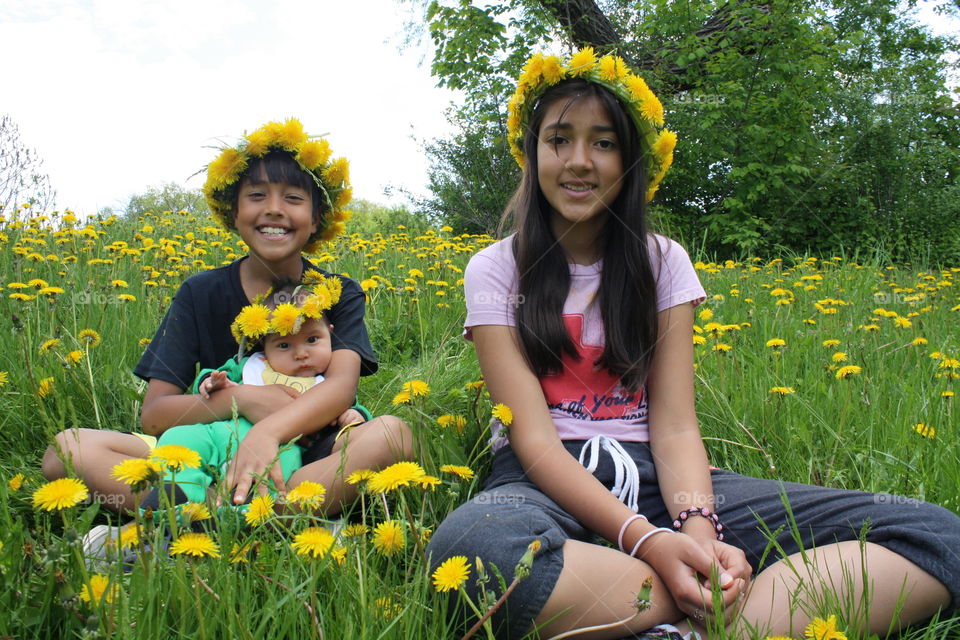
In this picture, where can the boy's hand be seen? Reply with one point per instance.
(214, 382)
(257, 402)
(350, 417)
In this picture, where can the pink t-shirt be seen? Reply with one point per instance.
(583, 400)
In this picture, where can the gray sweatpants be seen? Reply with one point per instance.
(498, 524)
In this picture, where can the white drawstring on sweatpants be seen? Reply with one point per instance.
(626, 485)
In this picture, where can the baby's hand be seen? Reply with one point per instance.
(350, 417)
(214, 382)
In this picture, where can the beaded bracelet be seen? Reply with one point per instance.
(623, 529)
(711, 517)
(644, 537)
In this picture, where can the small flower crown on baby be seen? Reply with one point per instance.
(312, 154)
(315, 295)
(610, 72)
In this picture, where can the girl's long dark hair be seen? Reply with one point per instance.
(627, 294)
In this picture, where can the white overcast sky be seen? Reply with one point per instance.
(120, 95)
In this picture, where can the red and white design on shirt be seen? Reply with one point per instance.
(586, 392)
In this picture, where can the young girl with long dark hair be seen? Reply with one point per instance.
(582, 322)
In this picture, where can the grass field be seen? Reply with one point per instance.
(824, 371)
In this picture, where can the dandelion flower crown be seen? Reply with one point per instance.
(310, 299)
(311, 154)
(610, 72)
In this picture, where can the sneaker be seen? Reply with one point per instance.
(96, 545)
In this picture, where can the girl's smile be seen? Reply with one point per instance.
(275, 220)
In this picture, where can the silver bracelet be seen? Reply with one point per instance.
(648, 534)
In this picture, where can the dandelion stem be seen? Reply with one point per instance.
(313, 614)
(597, 627)
(496, 605)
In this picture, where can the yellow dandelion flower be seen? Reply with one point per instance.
(194, 512)
(782, 391)
(919, 341)
(776, 342)
(307, 494)
(50, 291)
(839, 356)
(722, 347)
(705, 315)
(45, 388)
(240, 554)
(49, 345)
(175, 456)
(135, 471)
(399, 474)
(553, 70)
(428, 482)
(389, 537)
(503, 413)
(129, 536)
(830, 343)
(449, 420)
(360, 475)
(22, 297)
(339, 554)
(902, 323)
(451, 574)
(260, 510)
(820, 629)
(4, 378)
(949, 363)
(401, 398)
(99, 589)
(126, 297)
(474, 386)
(387, 608)
(355, 530)
(848, 371)
(869, 327)
(196, 545)
(664, 146)
(225, 169)
(284, 321)
(699, 340)
(254, 321)
(313, 541)
(73, 358)
(925, 430)
(338, 172)
(314, 153)
(463, 472)
(582, 62)
(416, 388)
(16, 482)
(119, 284)
(60, 494)
(612, 68)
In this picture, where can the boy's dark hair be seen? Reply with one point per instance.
(279, 166)
(627, 293)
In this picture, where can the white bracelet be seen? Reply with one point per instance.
(648, 534)
(623, 529)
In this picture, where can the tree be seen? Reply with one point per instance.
(816, 126)
(169, 196)
(21, 178)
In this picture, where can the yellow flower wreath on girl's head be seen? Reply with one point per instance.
(312, 154)
(316, 295)
(610, 72)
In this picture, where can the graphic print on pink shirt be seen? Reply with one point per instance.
(586, 392)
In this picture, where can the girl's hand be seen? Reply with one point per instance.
(214, 382)
(729, 559)
(255, 458)
(684, 565)
(257, 402)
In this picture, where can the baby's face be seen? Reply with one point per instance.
(303, 354)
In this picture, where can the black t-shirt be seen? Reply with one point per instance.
(196, 328)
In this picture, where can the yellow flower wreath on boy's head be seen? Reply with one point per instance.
(313, 297)
(312, 154)
(610, 72)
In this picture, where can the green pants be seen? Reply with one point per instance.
(216, 443)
